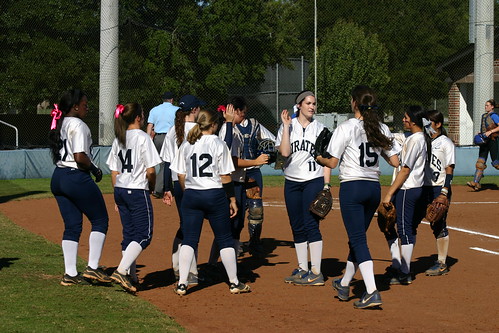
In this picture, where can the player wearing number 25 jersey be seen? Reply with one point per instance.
(73, 188)
(438, 177)
(304, 179)
(132, 160)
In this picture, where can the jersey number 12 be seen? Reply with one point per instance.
(203, 157)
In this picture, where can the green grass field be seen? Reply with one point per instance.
(30, 269)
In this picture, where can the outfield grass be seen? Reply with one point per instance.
(40, 188)
(33, 301)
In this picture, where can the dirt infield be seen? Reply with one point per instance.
(463, 300)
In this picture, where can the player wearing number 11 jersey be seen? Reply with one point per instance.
(132, 160)
(304, 179)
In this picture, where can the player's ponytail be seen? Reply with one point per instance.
(68, 100)
(125, 115)
(437, 117)
(365, 101)
(419, 117)
(205, 120)
(180, 125)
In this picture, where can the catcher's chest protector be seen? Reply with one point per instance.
(487, 123)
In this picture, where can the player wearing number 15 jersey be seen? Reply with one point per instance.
(357, 145)
(304, 179)
(132, 160)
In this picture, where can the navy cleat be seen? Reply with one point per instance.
(368, 301)
(343, 292)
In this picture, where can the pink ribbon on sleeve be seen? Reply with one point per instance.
(56, 115)
(119, 110)
(221, 108)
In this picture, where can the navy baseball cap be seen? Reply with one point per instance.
(167, 95)
(189, 102)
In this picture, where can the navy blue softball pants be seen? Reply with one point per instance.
(178, 193)
(211, 204)
(409, 210)
(77, 194)
(237, 222)
(298, 196)
(358, 202)
(136, 215)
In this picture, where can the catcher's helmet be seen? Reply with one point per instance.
(267, 146)
(480, 139)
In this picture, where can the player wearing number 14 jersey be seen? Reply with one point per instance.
(132, 160)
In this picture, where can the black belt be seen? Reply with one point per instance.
(160, 133)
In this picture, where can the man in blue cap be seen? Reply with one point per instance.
(161, 119)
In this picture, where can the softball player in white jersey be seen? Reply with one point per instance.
(304, 178)
(438, 177)
(357, 145)
(204, 164)
(185, 118)
(132, 160)
(406, 191)
(73, 188)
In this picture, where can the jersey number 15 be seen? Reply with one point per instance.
(368, 157)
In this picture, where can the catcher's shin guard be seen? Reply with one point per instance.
(255, 221)
(480, 167)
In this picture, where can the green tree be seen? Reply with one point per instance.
(348, 57)
(47, 47)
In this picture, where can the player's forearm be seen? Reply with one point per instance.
(151, 178)
(114, 174)
(83, 161)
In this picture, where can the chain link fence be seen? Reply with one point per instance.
(411, 52)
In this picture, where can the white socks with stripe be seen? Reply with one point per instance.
(406, 258)
(95, 244)
(442, 248)
(70, 252)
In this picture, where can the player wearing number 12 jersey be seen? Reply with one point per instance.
(203, 165)
(132, 160)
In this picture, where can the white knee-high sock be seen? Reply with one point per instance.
(349, 273)
(367, 271)
(393, 244)
(406, 258)
(185, 260)
(315, 256)
(228, 256)
(131, 254)
(96, 243)
(442, 248)
(70, 253)
(177, 243)
(302, 255)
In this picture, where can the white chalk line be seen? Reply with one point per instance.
(471, 232)
(484, 250)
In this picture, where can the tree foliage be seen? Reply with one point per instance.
(348, 57)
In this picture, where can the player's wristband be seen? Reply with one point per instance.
(327, 186)
(444, 191)
(229, 189)
(448, 180)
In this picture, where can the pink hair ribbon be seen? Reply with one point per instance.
(56, 115)
(119, 110)
(221, 108)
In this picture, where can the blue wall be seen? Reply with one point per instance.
(37, 163)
